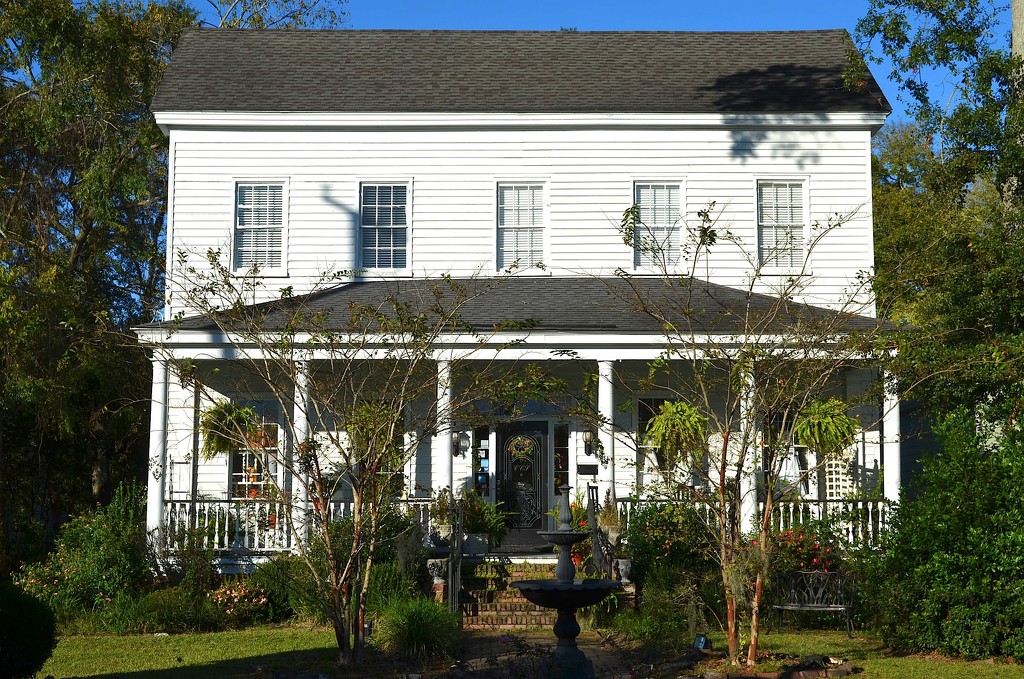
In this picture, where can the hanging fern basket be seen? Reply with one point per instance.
(226, 427)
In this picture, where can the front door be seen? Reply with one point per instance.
(521, 482)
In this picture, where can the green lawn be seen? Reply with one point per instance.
(247, 653)
(868, 654)
(254, 653)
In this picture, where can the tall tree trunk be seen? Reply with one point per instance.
(755, 604)
(755, 620)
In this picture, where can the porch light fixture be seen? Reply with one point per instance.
(460, 444)
(588, 441)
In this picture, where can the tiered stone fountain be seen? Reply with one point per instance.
(565, 594)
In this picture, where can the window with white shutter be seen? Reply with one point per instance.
(259, 226)
(656, 240)
(780, 224)
(385, 226)
(520, 225)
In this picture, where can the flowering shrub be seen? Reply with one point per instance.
(99, 555)
(803, 549)
(242, 604)
(669, 535)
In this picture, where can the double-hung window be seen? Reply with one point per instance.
(780, 224)
(253, 468)
(656, 239)
(384, 221)
(520, 225)
(259, 226)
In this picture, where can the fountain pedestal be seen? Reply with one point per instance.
(565, 594)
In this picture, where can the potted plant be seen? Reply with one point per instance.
(608, 520)
(226, 427)
(441, 510)
(485, 520)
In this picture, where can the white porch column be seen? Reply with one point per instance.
(606, 435)
(748, 474)
(157, 446)
(891, 455)
(441, 471)
(301, 431)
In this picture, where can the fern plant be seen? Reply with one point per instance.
(678, 430)
(225, 427)
(825, 427)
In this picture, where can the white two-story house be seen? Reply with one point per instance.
(404, 156)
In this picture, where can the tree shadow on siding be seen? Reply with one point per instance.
(746, 96)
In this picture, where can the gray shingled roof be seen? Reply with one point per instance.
(513, 72)
(578, 304)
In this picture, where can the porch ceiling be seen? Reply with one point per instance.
(577, 305)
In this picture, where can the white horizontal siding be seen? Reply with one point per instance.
(588, 175)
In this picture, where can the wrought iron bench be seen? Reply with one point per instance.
(815, 592)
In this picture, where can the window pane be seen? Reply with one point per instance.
(259, 225)
(520, 225)
(656, 242)
(384, 221)
(780, 222)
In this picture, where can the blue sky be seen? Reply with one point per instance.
(603, 15)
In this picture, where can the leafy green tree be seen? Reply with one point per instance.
(262, 14)
(953, 581)
(953, 64)
(82, 194)
(948, 266)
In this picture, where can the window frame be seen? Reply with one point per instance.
(803, 268)
(360, 237)
(530, 268)
(652, 267)
(267, 271)
(271, 475)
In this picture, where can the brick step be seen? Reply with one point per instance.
(493, 596)
(504, 606)
(508, 620)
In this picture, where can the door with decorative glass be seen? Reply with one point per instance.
(522, 478)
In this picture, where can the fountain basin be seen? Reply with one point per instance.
(563, 538)
(566, 595)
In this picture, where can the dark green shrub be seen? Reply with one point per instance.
(417, 628)
(289, 587)
(193, 565)
(952, 574)
(673, 607)
(27, 633)
(671, 536)
(174, 610)
(99, 555)
(387, 581)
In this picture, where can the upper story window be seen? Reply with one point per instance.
(384, 224)
(520, 225)
(780, 224)
(259, 226)
(656, 240)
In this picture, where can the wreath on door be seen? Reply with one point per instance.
(521, 448)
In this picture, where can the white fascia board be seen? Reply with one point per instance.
(519, 346)
(380, 121)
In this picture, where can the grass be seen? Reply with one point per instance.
(257, 652)
(245, 653)
(867, 653)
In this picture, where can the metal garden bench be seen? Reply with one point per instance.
(815, 592)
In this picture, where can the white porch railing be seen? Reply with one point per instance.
(251, 526)
(858, 522)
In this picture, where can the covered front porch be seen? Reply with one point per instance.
(457, 418)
